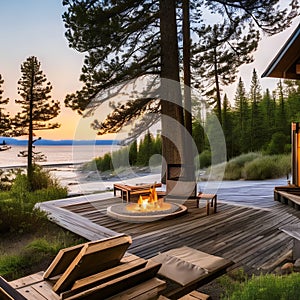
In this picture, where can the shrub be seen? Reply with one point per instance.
(252, 166)
(205, 159)
(17, 211)
(242, 159)
(233, 171)
(268, 287)
(120, 158)
(267, 167)
(234, 168)
(42, 179)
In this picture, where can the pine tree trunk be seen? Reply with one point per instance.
(30, 135)
(219, 108)
(189, 157)
(171, 104)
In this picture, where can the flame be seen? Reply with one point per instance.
(148, 203)
(143, 202)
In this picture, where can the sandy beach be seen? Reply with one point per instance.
(80, 182)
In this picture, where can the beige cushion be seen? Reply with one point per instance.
(185, 265)
(178, 269)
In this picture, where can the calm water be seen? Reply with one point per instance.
(55, 154)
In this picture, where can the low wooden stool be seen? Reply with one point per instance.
(211, 201)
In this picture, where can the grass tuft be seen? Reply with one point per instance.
(267, 287)
(38, 252)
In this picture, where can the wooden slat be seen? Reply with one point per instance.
(93, 258)
(143, 291)
(105, 276)
(119, 284)
(195, 295)
(45, 289)
(27, 280)
(32, 294)
(62, 261)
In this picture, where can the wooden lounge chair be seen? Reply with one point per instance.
(93, 270)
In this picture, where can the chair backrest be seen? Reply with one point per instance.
(181, 181)
(88, 259)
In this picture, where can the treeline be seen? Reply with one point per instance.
(257, 121)
(137, 154)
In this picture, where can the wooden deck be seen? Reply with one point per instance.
(289, 195)
(249, 237)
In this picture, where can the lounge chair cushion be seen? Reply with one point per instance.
(177, 269)
(184, 265)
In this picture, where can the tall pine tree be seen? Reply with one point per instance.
(256, 123)
(293, 102)
(37, 106)
(282, 122)
(242, 117)
(227, 126)
(4, 116)
(220, 53)
(268, 108)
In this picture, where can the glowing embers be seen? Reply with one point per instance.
(149, 203)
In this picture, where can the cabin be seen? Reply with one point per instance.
(286, 63)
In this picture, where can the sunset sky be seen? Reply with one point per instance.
(35, 27)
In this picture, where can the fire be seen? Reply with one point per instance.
(143, 203)
(151, 200)
(149, 203)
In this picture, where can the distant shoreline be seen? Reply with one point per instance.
(46, 142)
(45, 164)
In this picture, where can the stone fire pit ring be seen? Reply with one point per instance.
(120, 212)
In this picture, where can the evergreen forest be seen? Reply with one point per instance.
(256, 120)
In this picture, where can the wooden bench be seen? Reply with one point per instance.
(127, 191)
(211, 201)
(93, 270)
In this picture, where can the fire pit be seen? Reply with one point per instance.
(148, 208)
